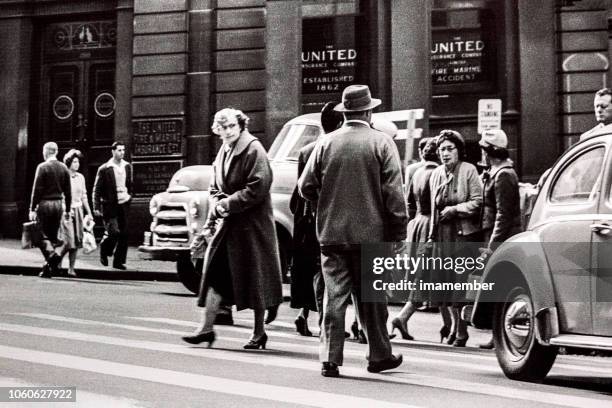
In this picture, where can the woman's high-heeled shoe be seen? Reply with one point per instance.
(460, 342)
(208, 337)
(256, 344)
(451, 339)
(397, 324)
(301, 326)
(444, 332)
(355, 330)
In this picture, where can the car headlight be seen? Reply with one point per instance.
(194, 227)
(194, 208)
(153, 207)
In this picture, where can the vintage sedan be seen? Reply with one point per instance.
(553, 282)
(180, 212)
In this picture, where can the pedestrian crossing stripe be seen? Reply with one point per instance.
(348, 351)
(260, 358)
(277, 393)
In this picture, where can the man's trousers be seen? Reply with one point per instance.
(49, 214)
(115, 240)
(342, 275)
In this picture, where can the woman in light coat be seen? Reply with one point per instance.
(242, 264)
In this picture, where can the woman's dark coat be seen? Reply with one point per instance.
(248, 232)
(501, 214)
(306, 250)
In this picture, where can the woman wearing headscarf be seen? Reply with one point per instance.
(456, 198)
(79, 207)
(241, 264)
(419, 213)
(501, 214)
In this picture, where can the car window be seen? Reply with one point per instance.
(579, 180)
(291, 139)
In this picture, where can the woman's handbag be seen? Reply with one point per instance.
(31, 235)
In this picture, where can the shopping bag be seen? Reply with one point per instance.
(31, 235)
(89, 242)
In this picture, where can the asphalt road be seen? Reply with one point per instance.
(118, 342)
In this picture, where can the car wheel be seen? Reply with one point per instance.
(519, 354)
(189, 274)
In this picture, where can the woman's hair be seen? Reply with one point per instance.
(330, 119)
(455, 138)
(225, 114)
(71, 155)
(430, 150)
(496, 152)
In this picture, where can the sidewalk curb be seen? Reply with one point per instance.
(101, 274)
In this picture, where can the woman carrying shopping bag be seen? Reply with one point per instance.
(79, 208)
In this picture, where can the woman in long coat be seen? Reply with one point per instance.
(456, 199)
(241, 264)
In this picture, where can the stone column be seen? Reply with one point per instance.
(539, 104)
(15, 56)
(283, 62)
(200, 82)
(410, 57)
(123, 73)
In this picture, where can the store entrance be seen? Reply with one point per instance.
(76, 96)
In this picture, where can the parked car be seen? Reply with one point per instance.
(180, 211)
(553, 285)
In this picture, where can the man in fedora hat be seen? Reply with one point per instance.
(354, 176)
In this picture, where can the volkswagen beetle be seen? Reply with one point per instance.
(553, 282)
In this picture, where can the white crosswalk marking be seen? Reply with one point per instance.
(262, 358)
(433, 353)
(196, 381)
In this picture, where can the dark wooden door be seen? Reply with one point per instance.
(78, 110)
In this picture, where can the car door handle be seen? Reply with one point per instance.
(603, 229)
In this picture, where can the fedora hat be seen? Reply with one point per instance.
(356, 98)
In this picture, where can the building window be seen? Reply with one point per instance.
(331, 59)
(467, 37)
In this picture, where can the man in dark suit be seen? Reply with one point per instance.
(51, 196)
(112, 194)
(354, 176)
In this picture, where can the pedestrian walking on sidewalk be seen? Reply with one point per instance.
(354, 176)
(79, 207)
(242, 263)
(51, 197)
(112, 194)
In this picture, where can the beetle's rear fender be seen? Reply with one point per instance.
(519, 261)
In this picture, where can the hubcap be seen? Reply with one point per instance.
(518, 327)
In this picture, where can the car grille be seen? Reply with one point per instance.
(171, 226)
